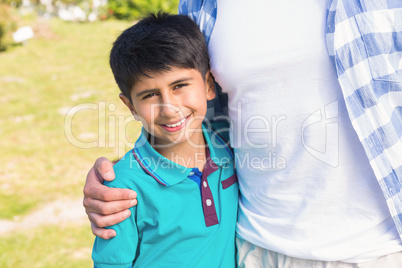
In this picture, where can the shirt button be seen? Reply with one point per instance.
(205, 184)
(208, 202)
(191, 174)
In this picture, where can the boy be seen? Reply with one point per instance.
(182, 171)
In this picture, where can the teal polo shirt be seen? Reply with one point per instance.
(184, 218)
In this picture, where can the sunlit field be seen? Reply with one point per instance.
(59, 111)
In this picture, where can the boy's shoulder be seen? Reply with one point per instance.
(142, 166)
(131, 161)
(128, 172)
(127, 162)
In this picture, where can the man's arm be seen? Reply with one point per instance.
(105, 206)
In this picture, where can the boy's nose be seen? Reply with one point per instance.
(168, 106)
(169, 110)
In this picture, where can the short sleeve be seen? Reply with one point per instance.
(119, 251)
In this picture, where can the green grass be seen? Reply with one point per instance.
(66, 65)
(48, 246)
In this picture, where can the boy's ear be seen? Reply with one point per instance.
(129, 105)
(210, 83)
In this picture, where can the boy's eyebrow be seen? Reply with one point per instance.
(181, 80)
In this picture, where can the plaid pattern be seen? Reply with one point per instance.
(364, 40)
(202, 12)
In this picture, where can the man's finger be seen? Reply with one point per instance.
(104, 193)
(107, 208)
(113, 194)
(108, 220)
(104, 169)
(102, 232)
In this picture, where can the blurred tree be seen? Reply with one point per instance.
(70, 2)
(8, 24)
(15, 3)
(134, 9)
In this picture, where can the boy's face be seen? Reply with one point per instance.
(172, 104)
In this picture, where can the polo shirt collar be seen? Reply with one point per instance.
(169, 173)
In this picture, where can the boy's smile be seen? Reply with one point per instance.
(172, 105)
(172, 127)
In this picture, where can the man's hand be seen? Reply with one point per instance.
(105, 206)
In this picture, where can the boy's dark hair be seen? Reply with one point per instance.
(155, 44)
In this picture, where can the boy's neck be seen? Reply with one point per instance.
(188, 154)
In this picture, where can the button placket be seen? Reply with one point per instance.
(208, 204)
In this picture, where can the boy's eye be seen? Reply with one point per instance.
(149, 95)
(179, 86)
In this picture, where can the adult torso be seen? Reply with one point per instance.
(307, 189)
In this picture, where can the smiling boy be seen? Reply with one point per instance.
(171, 106)
(181, 169)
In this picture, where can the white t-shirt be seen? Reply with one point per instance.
(307, 189)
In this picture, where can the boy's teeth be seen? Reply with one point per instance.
(177, 124)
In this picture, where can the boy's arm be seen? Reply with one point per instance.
(105, 206)
(119, 251)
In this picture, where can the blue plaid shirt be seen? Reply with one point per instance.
(364, 40)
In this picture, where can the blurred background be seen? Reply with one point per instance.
(59, 111)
